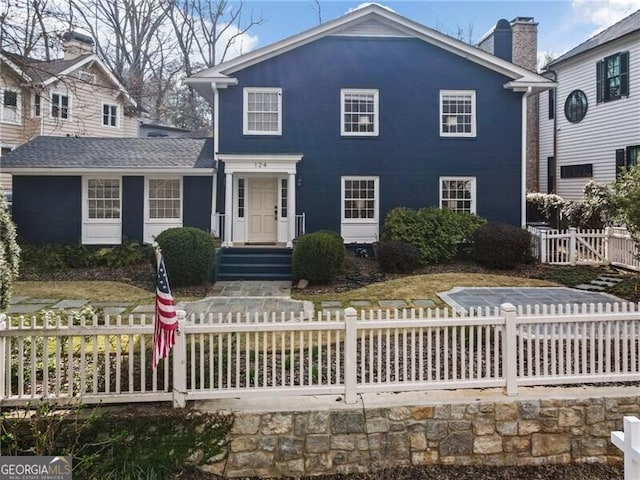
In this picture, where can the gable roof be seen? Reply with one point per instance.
(41, 72)
(53, 155)
(624, 27)
(221, 74)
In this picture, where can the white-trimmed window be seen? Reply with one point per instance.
(360, 199)
(109, 115)
(458, 194)
(103, 199)
(164, 197)
(359, 112)
(262, 111)
(457, 113)
(10, 106)
(37, 105)
(60, 106)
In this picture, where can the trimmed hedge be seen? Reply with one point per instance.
(397, 256)
(434, 231)
(318, 257)
(500, 245)
(189, 255)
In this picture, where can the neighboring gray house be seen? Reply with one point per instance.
(159, 129)
(590, 124)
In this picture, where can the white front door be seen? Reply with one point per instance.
(263, 201)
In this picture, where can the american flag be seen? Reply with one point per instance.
(166, 321)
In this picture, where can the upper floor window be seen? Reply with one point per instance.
(10, 111)
(359, 112)
(552, 103)
(575, 107)
(37, 105)
(165, 199)
(60, 106)
(457, 113)
(458, 194)
(103, 198)
(109, 115)
(612, 77)
(262, 111)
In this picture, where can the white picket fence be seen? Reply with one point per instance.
(629, 442)
(611, 246)
(220, 356)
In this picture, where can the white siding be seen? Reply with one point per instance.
(371, 28)
(546, 139)
(606, 126)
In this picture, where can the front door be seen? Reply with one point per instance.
(263, 201)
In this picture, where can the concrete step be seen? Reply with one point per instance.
(603, 283)
(590, 287)
(606, 278)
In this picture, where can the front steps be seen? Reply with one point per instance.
(253, 263)
(600, 284)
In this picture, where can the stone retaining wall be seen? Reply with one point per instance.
(359, 439)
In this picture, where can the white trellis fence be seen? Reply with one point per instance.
(629, 442)
(611, 246)
(269, 355)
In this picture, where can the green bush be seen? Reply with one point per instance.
(189, 255)
(500, 245)
(434, 231)
(318, 257)
(397, 256)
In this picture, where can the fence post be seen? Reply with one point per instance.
(607, 243)
(180, 363)
(350, 355)
(543, 247)
(572, 246)
(510, 349)
(629, 442)
(3, 358)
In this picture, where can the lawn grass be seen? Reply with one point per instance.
(91, 290)
(423, 287)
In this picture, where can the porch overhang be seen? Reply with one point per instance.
(260, 163)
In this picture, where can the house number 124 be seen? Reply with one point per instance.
(261, 164)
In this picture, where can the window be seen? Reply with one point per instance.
(457, 113)
(241, 197)
(612, 77)
(359, 112)
(284, 197)
(262, 111)
(552, 103)
(575, 107)
(626, 158)
(584, 170)
(109, 115)
(165, 200)
(37, 105)
(10, 112)
(103, 199)
(360, 199)
(60, 106)
(458, 194)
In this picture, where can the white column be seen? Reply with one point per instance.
(228, 210)
(291, 208)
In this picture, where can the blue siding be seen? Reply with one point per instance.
(47, 209)
(197, 202)
(133, 207)
(408, 155)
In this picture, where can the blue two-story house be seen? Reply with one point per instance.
(371, 111)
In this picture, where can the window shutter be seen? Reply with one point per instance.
(620, 163)
(624, 74)
(552, 103)
(600, 81)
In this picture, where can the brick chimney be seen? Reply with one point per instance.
(76, 44)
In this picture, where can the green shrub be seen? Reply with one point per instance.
(397, 256)
(318, 257)
(434, 231)
(500, 245)
(189, 255)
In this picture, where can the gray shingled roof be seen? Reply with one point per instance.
(39, 70)
(109, 153)
(624, 27)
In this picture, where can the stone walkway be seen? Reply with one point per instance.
(258, 297)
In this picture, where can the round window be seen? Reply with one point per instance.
(575, 108)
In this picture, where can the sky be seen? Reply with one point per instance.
(562, 24)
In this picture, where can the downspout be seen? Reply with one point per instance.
(523, 175)
(214, 184)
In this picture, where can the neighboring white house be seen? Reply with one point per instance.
(594, 111)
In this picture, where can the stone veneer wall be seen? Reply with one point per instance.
(356, 439)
